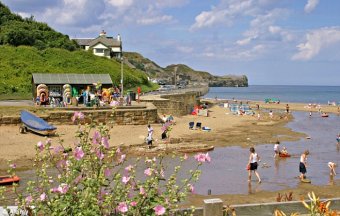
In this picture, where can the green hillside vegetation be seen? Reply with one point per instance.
(16, 31)
(18, 63)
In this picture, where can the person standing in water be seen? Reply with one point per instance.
(252, 163)
(303, 164)
(276, 149)
(331, 166)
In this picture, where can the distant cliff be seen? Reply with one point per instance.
(183, 73)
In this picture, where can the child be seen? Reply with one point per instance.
(253, 158)
(149, 137)
(276, 148)
(332, 166)
(303, 164)
(284, 151)
(338, 138)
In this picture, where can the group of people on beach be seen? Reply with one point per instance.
(254, 158)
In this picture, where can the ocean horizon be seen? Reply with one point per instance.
(285, 93)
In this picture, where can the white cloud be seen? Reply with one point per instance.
(78, 13)
(154, 20)
(120, 3)
(274, 29)
(316, 41)
(246, 54)
(224, 13)
(310, 6)
(245, 41)
(170, 3)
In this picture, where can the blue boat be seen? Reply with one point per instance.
(36, 124)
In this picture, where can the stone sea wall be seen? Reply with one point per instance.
(178, 103)
(129, 115)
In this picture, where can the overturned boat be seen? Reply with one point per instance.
(36, 124)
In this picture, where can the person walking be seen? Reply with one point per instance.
(287, 108)
(303, 164)
(149, 137)
(252, 164)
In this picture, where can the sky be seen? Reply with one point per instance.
(272, 42)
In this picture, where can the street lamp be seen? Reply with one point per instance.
(121, 76)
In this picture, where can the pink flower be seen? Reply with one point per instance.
(58, 149)
(96, 138)
(122, 158)
(54, 190)
(28, 199)
(125, 179)
(122, 207)
(61, 163)
(185, 157)
(105, 142)
(77, 115)
(133, 203)
(128, 168)
(148, 172)
(159, 210)
(43, 197)
(78, 153)
(63, 188)
(13, 166)
(141, 191)
(107, 172)
(49, 141)
(100, 155)
(40, 145)
(118, 151)
(203, 157)
(191, 188)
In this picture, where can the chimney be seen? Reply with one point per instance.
(102, 34)
(118, 37)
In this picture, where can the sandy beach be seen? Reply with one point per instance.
(227, 130)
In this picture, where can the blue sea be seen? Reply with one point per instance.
(285, 93)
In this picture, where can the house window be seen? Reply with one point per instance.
(99, 50)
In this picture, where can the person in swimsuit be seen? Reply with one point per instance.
(332, 166)
(303, 164)
(252, 163)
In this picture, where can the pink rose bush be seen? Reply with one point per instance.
(95, 178)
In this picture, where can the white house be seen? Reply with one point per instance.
(102, 46)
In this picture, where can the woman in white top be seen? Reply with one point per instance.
(252, 163)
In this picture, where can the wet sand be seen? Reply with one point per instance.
(227, 130)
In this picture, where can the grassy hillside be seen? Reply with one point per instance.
(18, 63)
